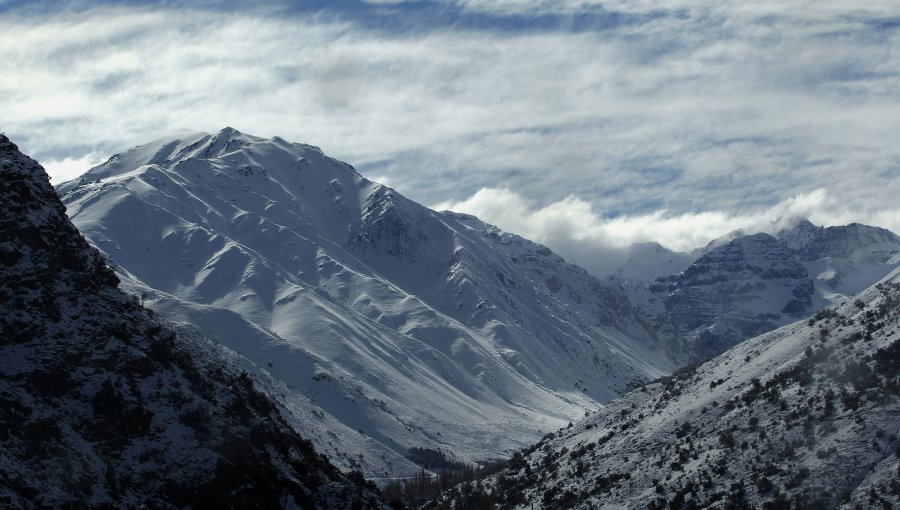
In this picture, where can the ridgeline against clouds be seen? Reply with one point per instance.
(653, 113)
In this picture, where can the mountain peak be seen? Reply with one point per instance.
(307, 262)
(759, 237)
(855, 242)
(745, 287)
(228, 132)
(720, 241)
(14, 162)
(6, 145)
(804, 223)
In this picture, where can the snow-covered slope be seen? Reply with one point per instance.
(411, 327)
(103, 405)
(644, 275)
(647, 261)
(805, 416)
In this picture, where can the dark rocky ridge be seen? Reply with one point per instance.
(102, 403)
(742, 285)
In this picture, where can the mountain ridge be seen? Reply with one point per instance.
(729, 293)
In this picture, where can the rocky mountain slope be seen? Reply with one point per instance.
(805, 416)
(102, 403)
(843, 260)
(409, 327)
(743, 285)
(746, 287)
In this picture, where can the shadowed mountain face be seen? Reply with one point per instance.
(413, 327)
(102, 403)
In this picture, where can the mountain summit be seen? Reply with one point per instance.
(411, 327)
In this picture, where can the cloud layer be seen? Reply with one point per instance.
(575, 230)
(689, 114)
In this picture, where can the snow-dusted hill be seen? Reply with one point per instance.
(409, 327)
(103, 404)
(805, 416)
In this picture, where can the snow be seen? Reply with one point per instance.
(435, 329)
(104, 404)
(747, 427)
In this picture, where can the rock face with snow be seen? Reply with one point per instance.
(843, 260)
(409, 327)
(102, 403)
(801, 417)
(742, 285)
(746, 287)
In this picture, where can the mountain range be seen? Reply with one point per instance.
(801, 417)
(265, 302)
(376, 311)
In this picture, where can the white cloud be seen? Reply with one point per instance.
(684, 107)
(576, 231)
(62, 170)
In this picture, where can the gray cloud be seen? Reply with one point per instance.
(679, 107)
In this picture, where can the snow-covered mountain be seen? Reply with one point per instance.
(409, 327)
(801, 417)
(103, 404)
(745, 284)
(644, 275)
(843, 260)
(741, 289)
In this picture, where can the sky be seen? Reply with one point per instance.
(580, 124)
